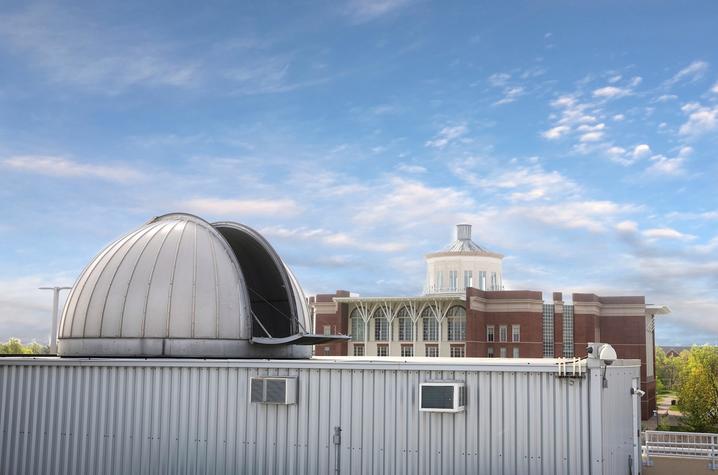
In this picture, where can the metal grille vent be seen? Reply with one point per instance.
(273, 390)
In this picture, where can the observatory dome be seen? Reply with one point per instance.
(179, 286)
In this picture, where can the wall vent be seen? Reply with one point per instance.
(442, 396)
(273, 390)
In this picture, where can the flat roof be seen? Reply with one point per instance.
(543, 365)
(428, 298)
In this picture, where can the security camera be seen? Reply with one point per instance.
(637, 391)
(607, 354)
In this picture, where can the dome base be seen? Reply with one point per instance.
(176, 348)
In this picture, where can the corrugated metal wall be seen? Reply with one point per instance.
(174, 416)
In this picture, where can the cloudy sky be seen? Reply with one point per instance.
(579, 138)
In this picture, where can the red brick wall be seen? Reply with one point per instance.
(531, 344)
(339, 322)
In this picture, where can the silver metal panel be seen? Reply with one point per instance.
(195, 416)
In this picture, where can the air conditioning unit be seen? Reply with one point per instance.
(273, 390)
(442, 396)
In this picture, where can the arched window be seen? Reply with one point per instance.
(381, 325)
(406, 326)
(357, 325)
(429, 324)
(456, 323)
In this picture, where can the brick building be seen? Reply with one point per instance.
(472, 317)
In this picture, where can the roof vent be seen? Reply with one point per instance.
(463, 232)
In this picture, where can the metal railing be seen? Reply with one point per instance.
(681, 444)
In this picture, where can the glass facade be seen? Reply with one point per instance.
(548, 319)
(429, 325)
(453, 280)
(381, 326)
(568, 331)
(456, 323)
(468, 279)
(357, 327)
(406, 329)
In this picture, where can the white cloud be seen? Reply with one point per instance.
(526, 183)
(74, 50)
(641, 150)
(667, 233)
(618, 117)
(592, 215)
(714, 89)
(408, 168)
(499, 79)
(663, 165)
(556, 132)
(367, 10)
(446, 136)
(591, 137)
(692, 72)
(611, 92)
(627, 227)
(510, 95)
(665, 98)
(701, 119)
(63, 167)
(330, 238)
(231, 207)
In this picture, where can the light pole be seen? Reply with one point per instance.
(55, 303)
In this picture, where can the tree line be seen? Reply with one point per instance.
(15, 347)
(693, 376)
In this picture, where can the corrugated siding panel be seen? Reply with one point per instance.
(75, 419)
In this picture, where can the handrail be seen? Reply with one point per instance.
(681, 444)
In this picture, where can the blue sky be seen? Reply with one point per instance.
(579, 138)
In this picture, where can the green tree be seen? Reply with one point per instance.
(698, 389)
(668, 369)
(15, 347)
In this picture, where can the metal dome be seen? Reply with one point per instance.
(179, 286)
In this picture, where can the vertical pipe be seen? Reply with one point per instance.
(53, 328)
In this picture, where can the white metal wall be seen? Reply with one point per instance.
(193, 416)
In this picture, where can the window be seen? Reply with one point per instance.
(502, 352)
(568, 331)
(503, 329)
(327, 350)
(548, 314)
(382, 350)
(406, 326)
(430, 325)
(468, 279)
(490, 352)
(453, 279)
(456, 323)
(407, 350)
(357, 326)
(439, 281)
(490, 333)
(381, 326)
(432, 351)
(516, 352)
(327, 329)
(494, 285)
(457, 351)
(358, 350)
(482, 280)
(516, 333)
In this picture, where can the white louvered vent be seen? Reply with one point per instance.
(273, 390)
(442, 396)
